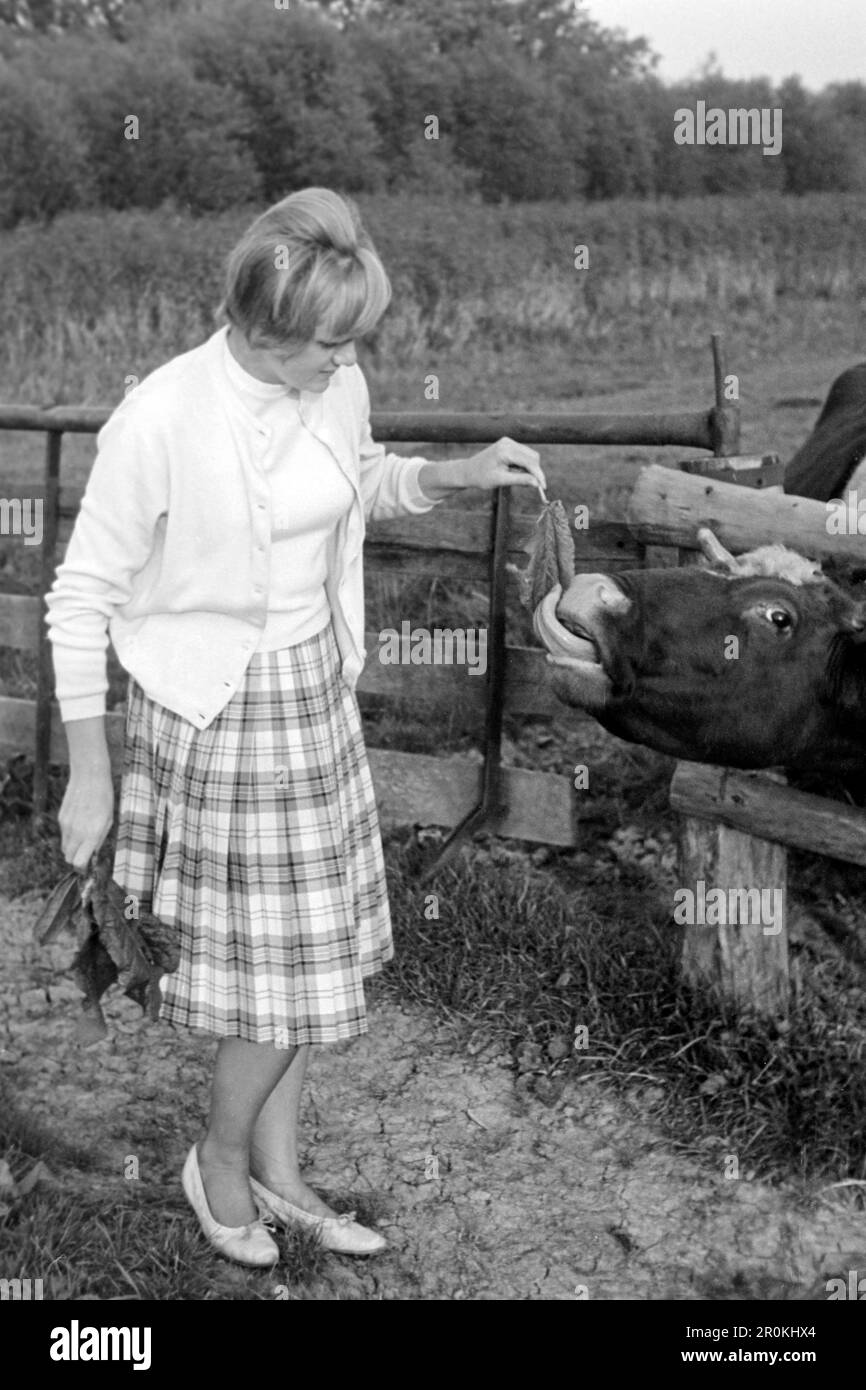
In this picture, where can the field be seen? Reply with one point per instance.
(609, 1167)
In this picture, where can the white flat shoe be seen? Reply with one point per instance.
(340, 1233)
(248, 1245)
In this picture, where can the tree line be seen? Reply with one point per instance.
(212, 103)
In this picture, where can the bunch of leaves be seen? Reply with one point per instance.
(118, 941)
(551, 557)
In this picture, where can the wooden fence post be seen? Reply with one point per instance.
(45, 669)
(744, 962)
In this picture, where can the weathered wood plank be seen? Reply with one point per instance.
(18, 731)
(678, 427)
(454, 544)
(528, 688)
(20, 617)
(444, 534)
(743, 957)
(663, 506)
(416, 789)
(751, 802)
(527, 677)
(411, 788)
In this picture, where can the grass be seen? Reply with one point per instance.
(91, 1236)
(525, 955)
(133, 1248)
(96, 297)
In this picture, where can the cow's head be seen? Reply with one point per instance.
(750, 663)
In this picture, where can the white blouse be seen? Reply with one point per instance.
(171, 549)
(309, 494)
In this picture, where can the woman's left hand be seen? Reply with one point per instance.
(504, 464)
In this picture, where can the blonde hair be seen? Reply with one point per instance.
(305, 266)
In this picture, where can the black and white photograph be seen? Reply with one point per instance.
(432, 670)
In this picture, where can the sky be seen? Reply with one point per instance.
(823, 42)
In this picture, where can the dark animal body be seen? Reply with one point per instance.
(754, 662)
(837, 445)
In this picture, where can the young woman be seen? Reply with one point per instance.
(219, 543)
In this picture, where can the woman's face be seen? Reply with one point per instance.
(309, 368)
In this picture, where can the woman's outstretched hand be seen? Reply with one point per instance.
(505, 464)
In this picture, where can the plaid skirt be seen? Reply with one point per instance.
(258, 838)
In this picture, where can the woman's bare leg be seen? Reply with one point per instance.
(274, 1147)
(245, 1074)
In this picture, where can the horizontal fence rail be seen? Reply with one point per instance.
(697, 429)
(759, 806)
(456, 543)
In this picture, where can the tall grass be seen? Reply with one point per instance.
(93, 298)
(525, 956)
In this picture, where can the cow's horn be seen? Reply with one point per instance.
(714, 551)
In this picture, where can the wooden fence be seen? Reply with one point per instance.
(734, 824)
(447, 542)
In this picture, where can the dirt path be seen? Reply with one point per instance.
(483, 1192)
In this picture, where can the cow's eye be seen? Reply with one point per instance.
(780, 618)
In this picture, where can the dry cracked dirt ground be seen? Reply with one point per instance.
(483, 1191)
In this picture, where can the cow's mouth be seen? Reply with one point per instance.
(569, 641)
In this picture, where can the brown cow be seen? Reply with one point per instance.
(755, 662)
(758, 662)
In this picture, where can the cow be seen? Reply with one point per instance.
(744, 669)
(752, 662)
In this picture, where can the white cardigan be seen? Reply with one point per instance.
(171, 548)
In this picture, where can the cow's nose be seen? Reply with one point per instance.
(590, 594)
(611, 596)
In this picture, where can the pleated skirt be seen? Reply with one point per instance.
(258, 838)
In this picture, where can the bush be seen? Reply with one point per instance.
(307, 121)
(188, 142)
(43, 169)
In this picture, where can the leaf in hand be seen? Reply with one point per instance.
(143, 949)
(58, 911)
(114, 945)
(93, 971)
(551, 557)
